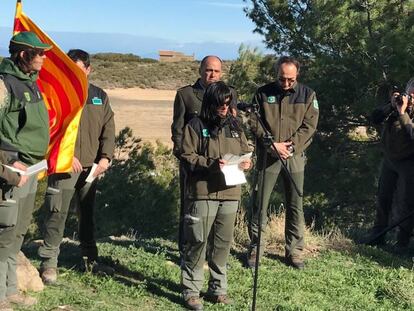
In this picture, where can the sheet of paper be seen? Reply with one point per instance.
(31, 170)
(90, 177)
(233, 175)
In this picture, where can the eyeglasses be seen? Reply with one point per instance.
(225, 104)
(289, 80)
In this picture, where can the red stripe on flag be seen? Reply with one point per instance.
(53, 155)
(47, 77)
(68, 72)
(18, 26)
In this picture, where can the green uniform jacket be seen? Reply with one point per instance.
(396, 136)
(201, 153)
(290, 116)
(24, 120)
(187, 104)
(96, 134)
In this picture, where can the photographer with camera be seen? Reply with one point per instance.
(397, 168)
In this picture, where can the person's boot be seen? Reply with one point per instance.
(223, 299)
(193, 303)
(22, 300)
(5, 305)
(295, 261)
(48, 275)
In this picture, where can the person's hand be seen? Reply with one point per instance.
(103, 165)
(403, 106)
(23, 167)
(23, 180)
(19, 165)
(394, 99)
(76, 165)
(222, 162)
(245, 164)
(283, 149)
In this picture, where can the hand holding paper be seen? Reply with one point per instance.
(233, 169)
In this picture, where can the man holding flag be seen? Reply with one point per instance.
(24, 133)
(95, 144)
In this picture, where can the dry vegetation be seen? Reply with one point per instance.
(111, 70)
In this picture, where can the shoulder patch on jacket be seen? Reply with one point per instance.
(271, 99)
(4, 94)
(96, 101)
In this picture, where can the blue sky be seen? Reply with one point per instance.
(179, 20)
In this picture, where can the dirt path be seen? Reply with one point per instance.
(148, 112)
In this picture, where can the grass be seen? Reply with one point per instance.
(339, 276)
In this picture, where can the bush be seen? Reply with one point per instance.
(140, 191)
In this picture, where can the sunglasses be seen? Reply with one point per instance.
(225, 104)
(40, 52)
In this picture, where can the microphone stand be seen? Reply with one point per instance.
(268, 141)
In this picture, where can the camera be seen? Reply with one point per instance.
(399, 98)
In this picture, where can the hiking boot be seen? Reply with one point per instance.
(223, 299)
(22, 300)
(194, 303)
(92, 266)
(295, 262)
(5, 305)
(49, 275)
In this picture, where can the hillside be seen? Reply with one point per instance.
(111, 70)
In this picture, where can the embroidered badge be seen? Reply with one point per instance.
(206, 133)
(271, 99)
(315, 104)
(27, 95)
(96, 101)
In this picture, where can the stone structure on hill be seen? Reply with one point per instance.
(172, 56)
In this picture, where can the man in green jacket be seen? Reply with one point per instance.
(290, 111)
(187, 105)
(94, 145)
(24, 130)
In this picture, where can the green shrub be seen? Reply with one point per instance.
(140, 191)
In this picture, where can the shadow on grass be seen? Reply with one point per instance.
(150, 246)
(70, 258)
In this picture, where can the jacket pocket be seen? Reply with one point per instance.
(8, 208)
(193, 229)
(53, 198)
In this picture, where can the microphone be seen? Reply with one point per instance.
(245, 106)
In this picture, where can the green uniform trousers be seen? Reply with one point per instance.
(203, 217)
(294, 223)
(396, 177)
(65, 190)
(11, 237)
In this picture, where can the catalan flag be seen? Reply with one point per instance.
(65, 88)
